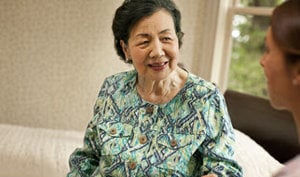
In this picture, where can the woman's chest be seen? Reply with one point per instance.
(149, 141)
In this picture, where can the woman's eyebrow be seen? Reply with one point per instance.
(147, 35)
(142, 35)
(165, 31)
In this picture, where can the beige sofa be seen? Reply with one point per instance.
(35, 152)
(41, 152)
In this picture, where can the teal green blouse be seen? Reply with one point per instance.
(189, 136)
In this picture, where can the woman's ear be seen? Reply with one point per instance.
(296, 78)
(125, 49)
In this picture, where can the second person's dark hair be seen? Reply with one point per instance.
(285, 25)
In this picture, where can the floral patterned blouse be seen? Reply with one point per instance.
(189, 136)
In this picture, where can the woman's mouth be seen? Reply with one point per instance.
(158, 66)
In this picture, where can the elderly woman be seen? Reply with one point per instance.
(158, 119)
(281, 64)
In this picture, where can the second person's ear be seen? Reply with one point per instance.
(296, 73)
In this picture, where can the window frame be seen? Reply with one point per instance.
(223, 41)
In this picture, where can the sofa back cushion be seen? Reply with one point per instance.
(274, 130)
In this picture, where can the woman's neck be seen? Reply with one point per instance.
(161, 91)
(159, 88)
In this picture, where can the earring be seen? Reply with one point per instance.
(128, 60)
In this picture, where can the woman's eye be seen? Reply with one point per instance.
(166, 39)
(143, 42)
(266, 49)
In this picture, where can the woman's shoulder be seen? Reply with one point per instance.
(123, 76)
(199, 84)
(290, 169)
(295, 162)
(120, 81)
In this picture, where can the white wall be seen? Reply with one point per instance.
(55, 54)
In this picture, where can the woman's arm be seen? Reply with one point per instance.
(84, 161)
(218, 149)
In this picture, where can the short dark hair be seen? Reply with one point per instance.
(285, 25)
(131, 11)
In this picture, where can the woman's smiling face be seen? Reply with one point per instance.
(153, 46)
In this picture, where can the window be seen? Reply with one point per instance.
(245, 73)
(247, 22)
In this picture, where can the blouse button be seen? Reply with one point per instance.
(131, 165)
(149, 110)
(113, 131)
(173, 143)
(142, 139)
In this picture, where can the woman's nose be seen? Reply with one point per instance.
(156, 49)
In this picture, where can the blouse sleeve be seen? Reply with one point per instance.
(218, 148)
(84, 162)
